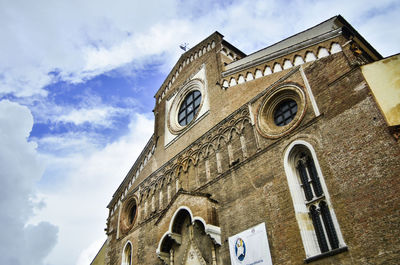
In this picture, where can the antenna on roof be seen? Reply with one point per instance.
(184, 46)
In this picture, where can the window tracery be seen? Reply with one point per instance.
(311, 202)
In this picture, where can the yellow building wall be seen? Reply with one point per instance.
(383, 78)
(100, 257)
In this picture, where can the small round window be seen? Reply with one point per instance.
(129, 214)
(189, 107)
(281, 111)
(285, 112)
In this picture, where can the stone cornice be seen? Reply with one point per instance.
(283, 52)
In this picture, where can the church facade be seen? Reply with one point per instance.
(289, 138)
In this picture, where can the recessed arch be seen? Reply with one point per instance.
(241, 79)
(322, 52)
(232, 130)
(207, 149)
(335, 48)
(258, 73)
(310, 56)
(178, 218)
(298, 60)
(249, 76)
(232, 82)
(267, 70)
(225, 84)
(277, 67)
(287, 64)
(221, 141)
(188, 162)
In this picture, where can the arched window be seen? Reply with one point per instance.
(311, 202)
(127, 254)
(308, 176)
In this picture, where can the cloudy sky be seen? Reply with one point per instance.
(77, 80)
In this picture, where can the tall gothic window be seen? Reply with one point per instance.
(311, 201)
(127, 254)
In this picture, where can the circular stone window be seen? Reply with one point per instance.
(129, 214)
(186, 106)
(189, 107)
(281, 111)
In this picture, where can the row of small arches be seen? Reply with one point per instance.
(203, 150)
(277, 67)
(145, 158)
(231, 55)
(190, 58)
(181, 166)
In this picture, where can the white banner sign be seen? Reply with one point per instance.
(250, 247)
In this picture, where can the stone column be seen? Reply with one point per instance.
(171, 257)
(214, 257)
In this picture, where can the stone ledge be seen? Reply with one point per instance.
(326, 254)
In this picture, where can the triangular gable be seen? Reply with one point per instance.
(187, 58)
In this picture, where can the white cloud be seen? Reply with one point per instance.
(20, 169)
(159, 38)
(43, 36)
(78, 205)
(70, 143)
(96, 116)
(90, 111)
(80, 43)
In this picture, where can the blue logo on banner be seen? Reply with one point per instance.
(240, 249)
